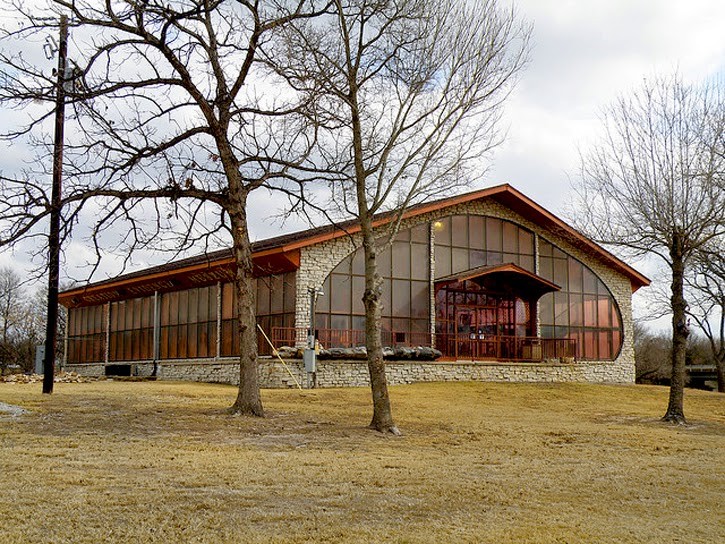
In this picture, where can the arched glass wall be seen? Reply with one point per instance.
(583, 310)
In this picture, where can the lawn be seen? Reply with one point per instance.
(479, 462)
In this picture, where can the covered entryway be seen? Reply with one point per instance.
(489, 312)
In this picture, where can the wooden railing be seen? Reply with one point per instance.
(509, 348)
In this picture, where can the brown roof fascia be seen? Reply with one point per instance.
(292, 243)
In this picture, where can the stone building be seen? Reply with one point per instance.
(502, 287)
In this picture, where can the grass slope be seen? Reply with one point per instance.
(479, 462)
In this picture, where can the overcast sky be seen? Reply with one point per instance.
(584, 54)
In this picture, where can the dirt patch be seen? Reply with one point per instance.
(13, 411)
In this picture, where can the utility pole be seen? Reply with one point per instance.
(51, 331)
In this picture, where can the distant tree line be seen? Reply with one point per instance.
(653, 355)
(22, 322)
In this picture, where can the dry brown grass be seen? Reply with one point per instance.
(164, 462)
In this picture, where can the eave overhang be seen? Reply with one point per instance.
(507, 277)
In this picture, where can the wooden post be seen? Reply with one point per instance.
(51, 330)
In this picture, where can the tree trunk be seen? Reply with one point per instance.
(720, 369)
(382, 414)
(248, 400)
(680, 331)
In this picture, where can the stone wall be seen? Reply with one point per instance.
(274, 375)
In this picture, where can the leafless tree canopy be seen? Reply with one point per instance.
(656, 177)
(408, 95)
(169, 103)
(175, 122)
(655, 184)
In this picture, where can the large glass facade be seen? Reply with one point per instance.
(583, 310)
(466, 248)
(404, 267)
(187, 323)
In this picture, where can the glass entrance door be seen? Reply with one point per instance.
(476, 324)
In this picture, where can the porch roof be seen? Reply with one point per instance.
(504, 277)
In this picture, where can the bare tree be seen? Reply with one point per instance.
(11, 298)
(654, 185)
(409, 99)
(174, 121)
(706, 293)
(652, 355)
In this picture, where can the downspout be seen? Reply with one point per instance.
(218, 320)
(157, 335)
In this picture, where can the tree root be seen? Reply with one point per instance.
(389, 429)
(674, 418)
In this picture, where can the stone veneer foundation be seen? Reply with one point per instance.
(273, 375)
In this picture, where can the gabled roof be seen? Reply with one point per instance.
(282, 253)
(513, 276)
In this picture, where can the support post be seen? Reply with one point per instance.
(51, 330)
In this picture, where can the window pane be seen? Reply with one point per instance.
(603, 312)
(420, 299)
(419, 233)
(459, 230)
(605, 351)
(576, 310)
(476, 232)
(358, 262)
(358, 288)
(460, 260)
(590, 311)
(442, 231)
(341, 293)
(526, 242)
(546, 268)
(401, 298)
(590, 345)
(575, 276)
(403, 235)
(383, 261)
(419, 258)
(493, 234)
(510, 237)
(263, 295)
(323, 302)
(561, 308)
(442, 261)
(546, 309)
(477, 258)
(290, 291)
(526, 262)
(340, 322)
(401, 260)
(590, 281)
(545, 248)
(277, 294)
(560, 268)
